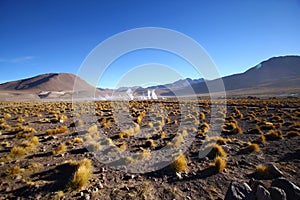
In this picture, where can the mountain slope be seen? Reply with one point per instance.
(273, 73)
(46, 82)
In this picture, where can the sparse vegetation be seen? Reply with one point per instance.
(219, 164)
(60, 149)
(180, 164)
(82, 175)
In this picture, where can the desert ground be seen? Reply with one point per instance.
(62, 150)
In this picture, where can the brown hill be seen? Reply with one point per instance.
(46, 82)
(274, 76)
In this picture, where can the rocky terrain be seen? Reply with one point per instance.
(104, 150)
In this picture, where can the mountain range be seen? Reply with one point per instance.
(275, 76)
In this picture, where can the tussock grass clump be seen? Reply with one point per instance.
(274, 135)
(34, 140)
(77, 123)
(17, 152)
(60, 149)
(251, 147)
(217, 150)
(201, 115)
(162, 135)
(82, 175)
(93, 129)
(15, 170)
(7, 115)
(144, 154)
(290, 134)
(58, 130)
(94, 146)
(63, 118)
(219, 164)
(256, 130)
(265, 125)
(231, 128)
(77, 140)
(180, 164)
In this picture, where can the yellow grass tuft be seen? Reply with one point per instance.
(93, 129)
(17, 151)
(251, 147)
(60, 149)
(219, 164)
(180, 164)
(290, 134)
(82, 175)
(14, 171)
(58, 130)
(274, 135)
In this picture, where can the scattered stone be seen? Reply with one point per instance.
(262, 193)
(277, 193)
(239, 191)
(178, 175)
(292, 191)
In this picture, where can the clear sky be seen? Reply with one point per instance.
(56, 36)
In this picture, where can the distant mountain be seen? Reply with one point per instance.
(178, 84)
(52, 85)
(46, 82)
(276, 74)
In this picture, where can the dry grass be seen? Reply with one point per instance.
(60, 149)
(82, 175)
(274, 135)
(58, 130)
(15, 170)
(219, 164)
(77, 140)
(251, 147)
(94, 146)
(180, 164)
(216, 150)
(231, 128)
(17, 152)
(290, 134)
(93, 129)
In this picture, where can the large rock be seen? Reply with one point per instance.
(239, 191)
(292, 191)
(262, 193)
(277, 193)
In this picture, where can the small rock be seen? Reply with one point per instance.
(262, 193)
(87, 197)
(178, 175)
(277, 193)
(19, 177)
(100, 185)
(239, 191)
(95, 189)
(292, 191)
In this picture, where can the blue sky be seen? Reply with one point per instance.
(56, 36)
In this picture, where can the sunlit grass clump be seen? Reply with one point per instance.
(219, 164)
(58, 130)
(180, 164)
(82, 175)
